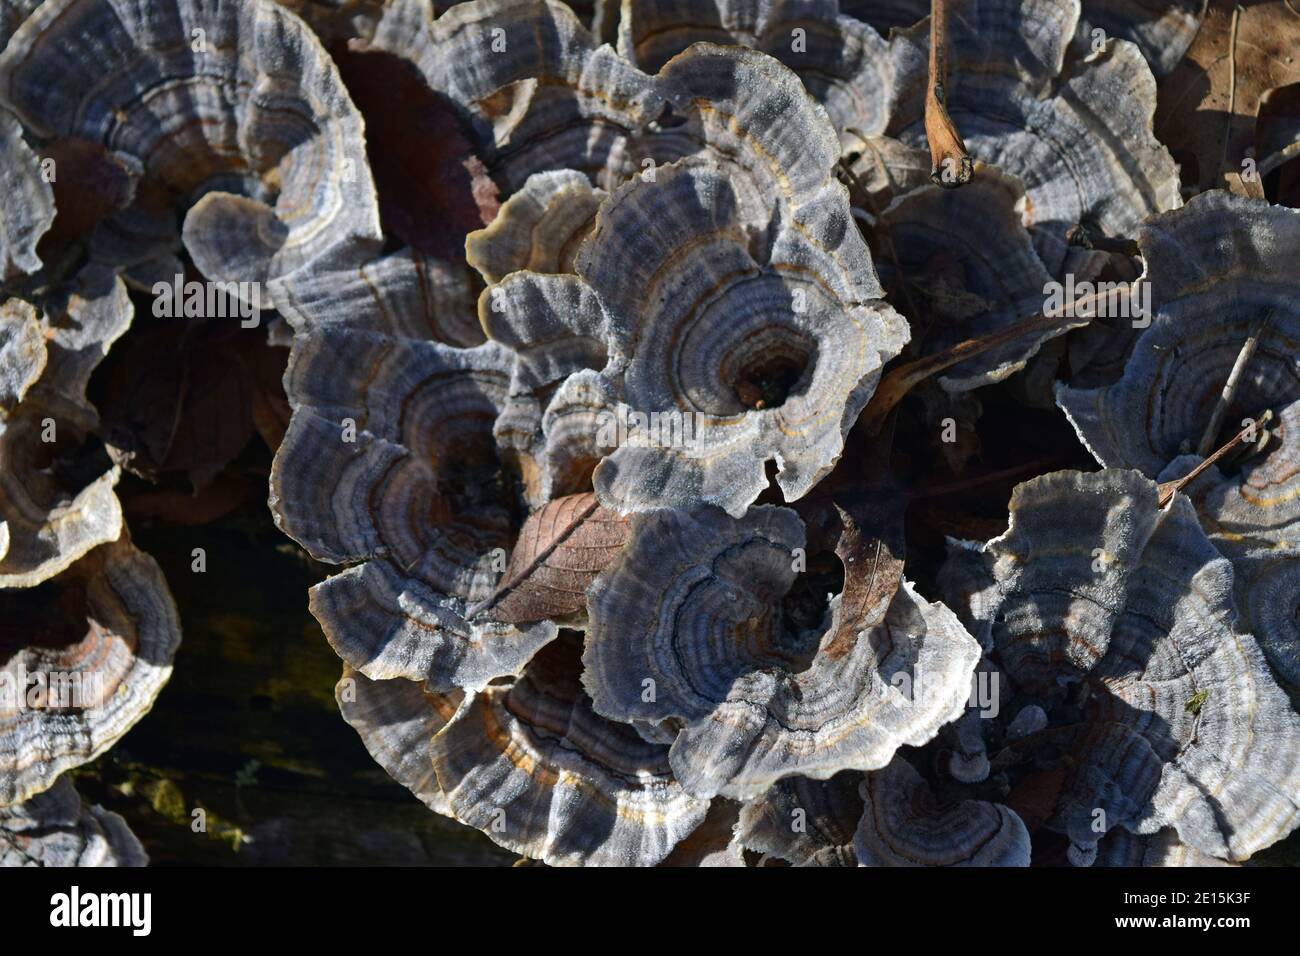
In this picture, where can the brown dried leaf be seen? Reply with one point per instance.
(873, 571)
(560, 550)
(179, 399)
(433, 189)
(1208, 105)
(217, 418)
(89, 184)
(1035, 796)
(271, 412)
(225, 494)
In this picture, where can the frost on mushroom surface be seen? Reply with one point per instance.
(1116, 617)
(534, 767)
(57, 828)
(1079, 138)
(84, 655)
(390, 466)
(782, 377)
(56, 499)
(231, 114)
(791, 699)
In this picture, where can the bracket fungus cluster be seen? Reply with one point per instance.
(88, 628)
(623, 540)
(57, 828)
(82, 657)
(229, 114)
(1113, 615)
(658, 379)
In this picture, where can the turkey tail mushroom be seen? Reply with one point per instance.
(390, 465)
(84, 657)
(1117, 617)
(539, 92)
(232, 113)
(843, 62)
(538, 229)
(396, 719)
(887, 669)
(29, 206)
(50, 513)
(903, 824)
(1080, 138)
(57, 828)
(804, 821)
(1218, 281)
(537, 770)
(783, 378)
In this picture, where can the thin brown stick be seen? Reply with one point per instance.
(1232, 82)
(1230, 386)
(901, 380)
(1272, 162)
(950, 164)
(1079, 235)
(1036, 467)
(1171, 488)
(860, 198)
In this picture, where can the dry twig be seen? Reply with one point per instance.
(950, 164)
